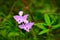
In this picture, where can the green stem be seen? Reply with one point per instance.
(48, 34)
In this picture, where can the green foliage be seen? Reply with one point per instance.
(47, 23)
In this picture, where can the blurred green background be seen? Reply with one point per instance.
(36, 9)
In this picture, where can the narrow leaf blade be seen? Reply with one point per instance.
(55, 26)
(40, 25)
(47, 19)
(44, 31)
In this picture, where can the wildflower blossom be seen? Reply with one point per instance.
(23, 18)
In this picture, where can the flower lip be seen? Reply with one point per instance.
(26, 26)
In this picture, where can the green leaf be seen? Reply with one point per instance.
(44, 31)
(55, 26)
(40, 25)
(47, 19)
(13, 34)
